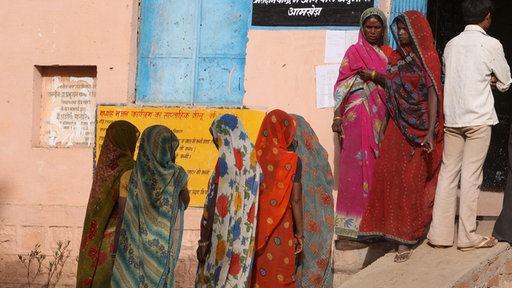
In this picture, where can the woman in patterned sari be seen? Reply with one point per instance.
(358, 116)
(315, 269)
(402, 195)
(116, 157)
(279, 236)
(148, 249)
(228, 225)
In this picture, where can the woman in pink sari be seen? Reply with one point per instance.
(358, 116)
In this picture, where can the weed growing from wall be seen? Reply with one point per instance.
(34, 263)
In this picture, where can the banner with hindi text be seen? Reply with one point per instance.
(197, 153)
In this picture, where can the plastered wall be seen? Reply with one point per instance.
(44, 191)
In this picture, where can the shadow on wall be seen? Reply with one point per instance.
(4, 190)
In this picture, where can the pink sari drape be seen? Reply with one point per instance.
(363, 109)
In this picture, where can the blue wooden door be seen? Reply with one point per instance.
(193, 52)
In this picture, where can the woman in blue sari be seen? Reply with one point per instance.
(315, 269)
(148, 249)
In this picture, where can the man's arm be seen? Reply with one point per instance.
(500, 68)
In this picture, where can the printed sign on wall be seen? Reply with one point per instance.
(308, 12)
(197, 153)
(67, 108)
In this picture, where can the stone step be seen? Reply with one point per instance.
(490, 203)
(440, 268)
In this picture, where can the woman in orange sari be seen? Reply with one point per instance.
(279, 234)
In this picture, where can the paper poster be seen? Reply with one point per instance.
(326, 76)
(67, 110)
(337, 43)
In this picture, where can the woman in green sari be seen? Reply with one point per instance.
(115, 158)
(148, 248)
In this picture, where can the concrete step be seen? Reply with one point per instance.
(440, 268)
(490, 203)
(351, 257)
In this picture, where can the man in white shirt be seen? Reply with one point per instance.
(473, 62)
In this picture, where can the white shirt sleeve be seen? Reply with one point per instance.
(500, 68)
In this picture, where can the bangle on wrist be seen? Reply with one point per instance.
(299, 236)
(203, 243)
(373, 75)
(336, 118)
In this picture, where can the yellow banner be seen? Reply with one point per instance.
(197, 153)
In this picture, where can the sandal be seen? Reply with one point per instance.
(487, 242)
(403, 256)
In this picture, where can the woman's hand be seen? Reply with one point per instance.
(382, 129)
(337, 127)
(185, 197)
(296, 201)
(367, 74)
(428, 142)
(299, 244)
(202, 251)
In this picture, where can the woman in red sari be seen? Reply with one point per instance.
(279, 233)
(403, 189)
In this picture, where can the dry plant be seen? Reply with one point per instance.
(55, 265)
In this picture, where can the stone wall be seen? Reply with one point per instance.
(31, 228)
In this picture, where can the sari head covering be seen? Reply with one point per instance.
(374, 11)
(148, 251)
(407, 99)
(116, 157)
(362, 55)
(315, 270)
(238, 177)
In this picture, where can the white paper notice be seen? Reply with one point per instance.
(351, 38)
(334, 46)
(337, 43)
(326, 76)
